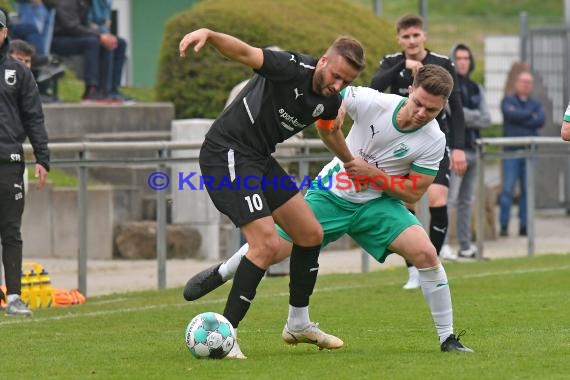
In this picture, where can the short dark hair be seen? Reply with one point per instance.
(20, 46)
(351, 50)
(408, 21)
(434, 79)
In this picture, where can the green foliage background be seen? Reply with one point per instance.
(198, 85)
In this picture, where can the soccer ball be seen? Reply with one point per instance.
(210, 335)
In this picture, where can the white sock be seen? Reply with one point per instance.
(298, 318)
(413, 272)
(228, 269)
(12, 297)
(438, 297)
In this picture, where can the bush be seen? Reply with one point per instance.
(199, 84)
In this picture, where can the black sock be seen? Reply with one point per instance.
(304, 267)
(246, 279)
(408, 264)
(438, 226)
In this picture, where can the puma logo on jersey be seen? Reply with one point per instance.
(441, 230)
(293, 58)
(373, 131)
(297, 93)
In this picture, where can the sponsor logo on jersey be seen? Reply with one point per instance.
(10, 77)
(401, 150)
(290, 122)
(293, 58)
(318, 110)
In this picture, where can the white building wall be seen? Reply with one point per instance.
(500, 53)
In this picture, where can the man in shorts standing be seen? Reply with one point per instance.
(400, 146)
(288, 92)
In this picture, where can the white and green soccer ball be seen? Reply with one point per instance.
(210, 335)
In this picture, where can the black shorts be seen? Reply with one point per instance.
(244, 186)
(442, 177)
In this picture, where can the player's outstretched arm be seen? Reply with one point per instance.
(565, 132)
(330, 131)
(229, 46)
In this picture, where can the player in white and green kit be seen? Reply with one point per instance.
(392, 137)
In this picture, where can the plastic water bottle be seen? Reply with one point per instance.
(35, 296)
(46, 290)
(25, 293)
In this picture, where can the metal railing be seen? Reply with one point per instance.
(87, 155)
(94, 154)
(530, 149)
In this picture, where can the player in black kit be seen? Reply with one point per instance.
(397, 72)
(288, 92)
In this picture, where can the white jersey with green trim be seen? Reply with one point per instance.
(375, 137)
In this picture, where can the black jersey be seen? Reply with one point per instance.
(393, 74)
(277, 102)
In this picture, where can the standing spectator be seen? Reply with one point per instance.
(522, 116)
(21, 116)
(565, 132)
(100, 20)
(477, 116)
(73, 35)
(397, 72)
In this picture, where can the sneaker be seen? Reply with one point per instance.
(522, 231)
(453, 344)
(93, 95)
(18, 308)
(468, 253)
(312, 335)
(118, 98)
(504, 232)
(446, 253)
(235, 352)
(203, 283)
(413, 283)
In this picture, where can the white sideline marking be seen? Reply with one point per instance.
(18, 320)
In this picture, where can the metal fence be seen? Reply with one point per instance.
(84, 156)
(547, 50)
(531, 148)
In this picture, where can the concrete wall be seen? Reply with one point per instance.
(194, 206)
(50, 223)
(73, 121)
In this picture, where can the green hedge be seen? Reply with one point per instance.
(198, 85)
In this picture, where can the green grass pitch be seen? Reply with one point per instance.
(516, 313)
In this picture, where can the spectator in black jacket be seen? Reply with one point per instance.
(396, 72)
(21, 116)
(477, 116)
(73, 35)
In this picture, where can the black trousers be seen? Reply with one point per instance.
(11, 210)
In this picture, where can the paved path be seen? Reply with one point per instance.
(110, 276)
